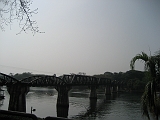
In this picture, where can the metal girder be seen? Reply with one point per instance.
(65, 80)
(84, 80)
(6, 79)
(43, 80)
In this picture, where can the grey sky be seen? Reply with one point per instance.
(91, 36)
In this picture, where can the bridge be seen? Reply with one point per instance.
(18, 89)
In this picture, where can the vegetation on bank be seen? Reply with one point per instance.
(151, 98)
(132, 79)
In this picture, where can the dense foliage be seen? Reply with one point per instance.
(20, 76)
(133, 80)
(150, 98)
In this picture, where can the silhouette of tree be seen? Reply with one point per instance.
(150, 100)
(11, 10)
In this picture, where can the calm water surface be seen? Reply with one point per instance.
(124, 106)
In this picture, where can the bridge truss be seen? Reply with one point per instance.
(46, 80)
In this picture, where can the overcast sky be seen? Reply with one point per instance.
(91, 36)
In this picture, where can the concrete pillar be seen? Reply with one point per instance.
(93, 104)
(114, 89)
(108, 90)
(121, 87)
(62, 101)
(17, 101)
(63, 98)
(62, 111)
(93, 92)
(117, 88)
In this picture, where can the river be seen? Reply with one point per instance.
(122, 106)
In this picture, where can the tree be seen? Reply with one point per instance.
(149, 99)
(11, 10)
(21, 76)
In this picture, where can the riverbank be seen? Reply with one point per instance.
(13, 115)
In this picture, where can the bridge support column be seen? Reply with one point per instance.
(93, 92)
(108, 90)
(62, 101)
(120, 88)
(17, 101)
(93, 104)
(115, 89)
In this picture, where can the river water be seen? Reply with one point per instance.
(122, 106)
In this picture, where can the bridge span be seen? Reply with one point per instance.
(18, 89)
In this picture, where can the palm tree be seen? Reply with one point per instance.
(150, 101)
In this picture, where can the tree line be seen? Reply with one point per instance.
(132, 79)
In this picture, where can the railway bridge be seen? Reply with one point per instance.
(18, 89)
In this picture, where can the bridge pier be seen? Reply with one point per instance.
(93, 104)
(93, 92)
(62, 111)
(115, 89)
(108, 90)
(62, 101)
(120, 88)
(17, 101)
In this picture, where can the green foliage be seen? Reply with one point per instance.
(19, 76)
(133, 80)
(142, 56)
(150, 100)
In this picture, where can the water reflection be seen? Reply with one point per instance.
(112, 96)
(41, 92)
(116, 106)
(97, 107)
(79, 93)
(1, 102)
(94, 109)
